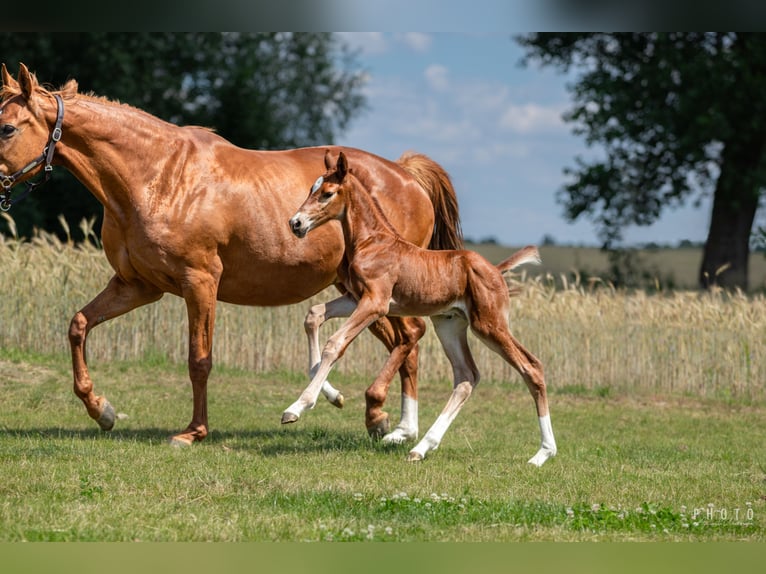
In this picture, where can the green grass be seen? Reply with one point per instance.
(660, 468)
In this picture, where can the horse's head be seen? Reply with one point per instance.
(326, 200)
(24, 130)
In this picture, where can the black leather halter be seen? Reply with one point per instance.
(8, 181)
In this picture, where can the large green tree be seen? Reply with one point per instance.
(679, 115)
(259, 90)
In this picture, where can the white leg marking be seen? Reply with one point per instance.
(434, 436)
(407, 429)
(318, 314)
(547, 444)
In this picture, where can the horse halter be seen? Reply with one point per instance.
(8, 181)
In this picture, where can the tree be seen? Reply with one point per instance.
(258, 90)
(679, 115)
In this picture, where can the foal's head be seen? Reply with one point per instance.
(327, 198)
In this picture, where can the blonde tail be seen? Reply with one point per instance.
(528, 254)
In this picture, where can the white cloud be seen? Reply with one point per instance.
(377, 43)
(437, 77)
(528, 118)
(416, 41)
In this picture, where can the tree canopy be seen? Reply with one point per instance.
(679, 116)
(258, 90)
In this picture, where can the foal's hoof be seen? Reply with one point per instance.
(379, 429)
(414, 456)
(338, 401)
(542, 455)
(288, 417)
(179, 442)
(400, 435)
(106, 420)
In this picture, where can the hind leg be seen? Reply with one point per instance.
(502, 342)
(117, 298)
(451, 331)
(400, 335)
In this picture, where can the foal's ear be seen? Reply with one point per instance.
(342, 165)
(27, 81)
(328, 160)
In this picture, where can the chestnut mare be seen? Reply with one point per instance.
(390, 276)
(188, 213)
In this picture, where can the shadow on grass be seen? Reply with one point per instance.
(264, 442)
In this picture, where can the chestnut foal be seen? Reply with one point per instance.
(389, 276)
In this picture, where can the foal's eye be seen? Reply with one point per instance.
(317, 184)
(6, 130)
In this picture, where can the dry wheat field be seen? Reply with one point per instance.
(592, 339)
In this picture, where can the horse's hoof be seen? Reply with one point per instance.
(542, 455)
(339, 401)
(179, 442)
(379, 429)
(414, 456)
(288, 417)
(107, 417)
(400, 436)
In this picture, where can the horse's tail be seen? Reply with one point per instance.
(436, 182)
(528, 254)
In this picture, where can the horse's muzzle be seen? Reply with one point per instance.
(297, 226)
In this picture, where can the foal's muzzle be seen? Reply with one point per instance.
(298, 226)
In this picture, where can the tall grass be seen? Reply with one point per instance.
(591, 338)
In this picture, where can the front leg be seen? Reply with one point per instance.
(341, 307)
(200, 297)
(366, 312)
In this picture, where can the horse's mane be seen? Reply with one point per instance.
(70, 91)
(67, 91)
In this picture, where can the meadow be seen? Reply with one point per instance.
(658, 403)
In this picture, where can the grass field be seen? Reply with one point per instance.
(658, 404)
(627, 469)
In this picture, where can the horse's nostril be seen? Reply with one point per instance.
(295, 225)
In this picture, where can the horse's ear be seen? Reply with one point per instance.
(8, 80)
(27, 81)
(328, 163)
(342, 165)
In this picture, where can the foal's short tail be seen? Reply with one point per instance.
(435, 180)
(528, 254)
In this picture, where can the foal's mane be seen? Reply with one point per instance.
(362, 187)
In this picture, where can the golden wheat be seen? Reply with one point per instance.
(589, 337)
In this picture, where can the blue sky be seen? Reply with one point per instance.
(464, 100)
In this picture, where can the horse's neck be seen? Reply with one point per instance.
(363, 220)
(112, 149)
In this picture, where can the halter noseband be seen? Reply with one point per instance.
(8, 181)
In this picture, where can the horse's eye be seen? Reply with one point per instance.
(6, 130)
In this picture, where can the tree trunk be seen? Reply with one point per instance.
(727, 249)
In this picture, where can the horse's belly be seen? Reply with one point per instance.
(284, 286)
